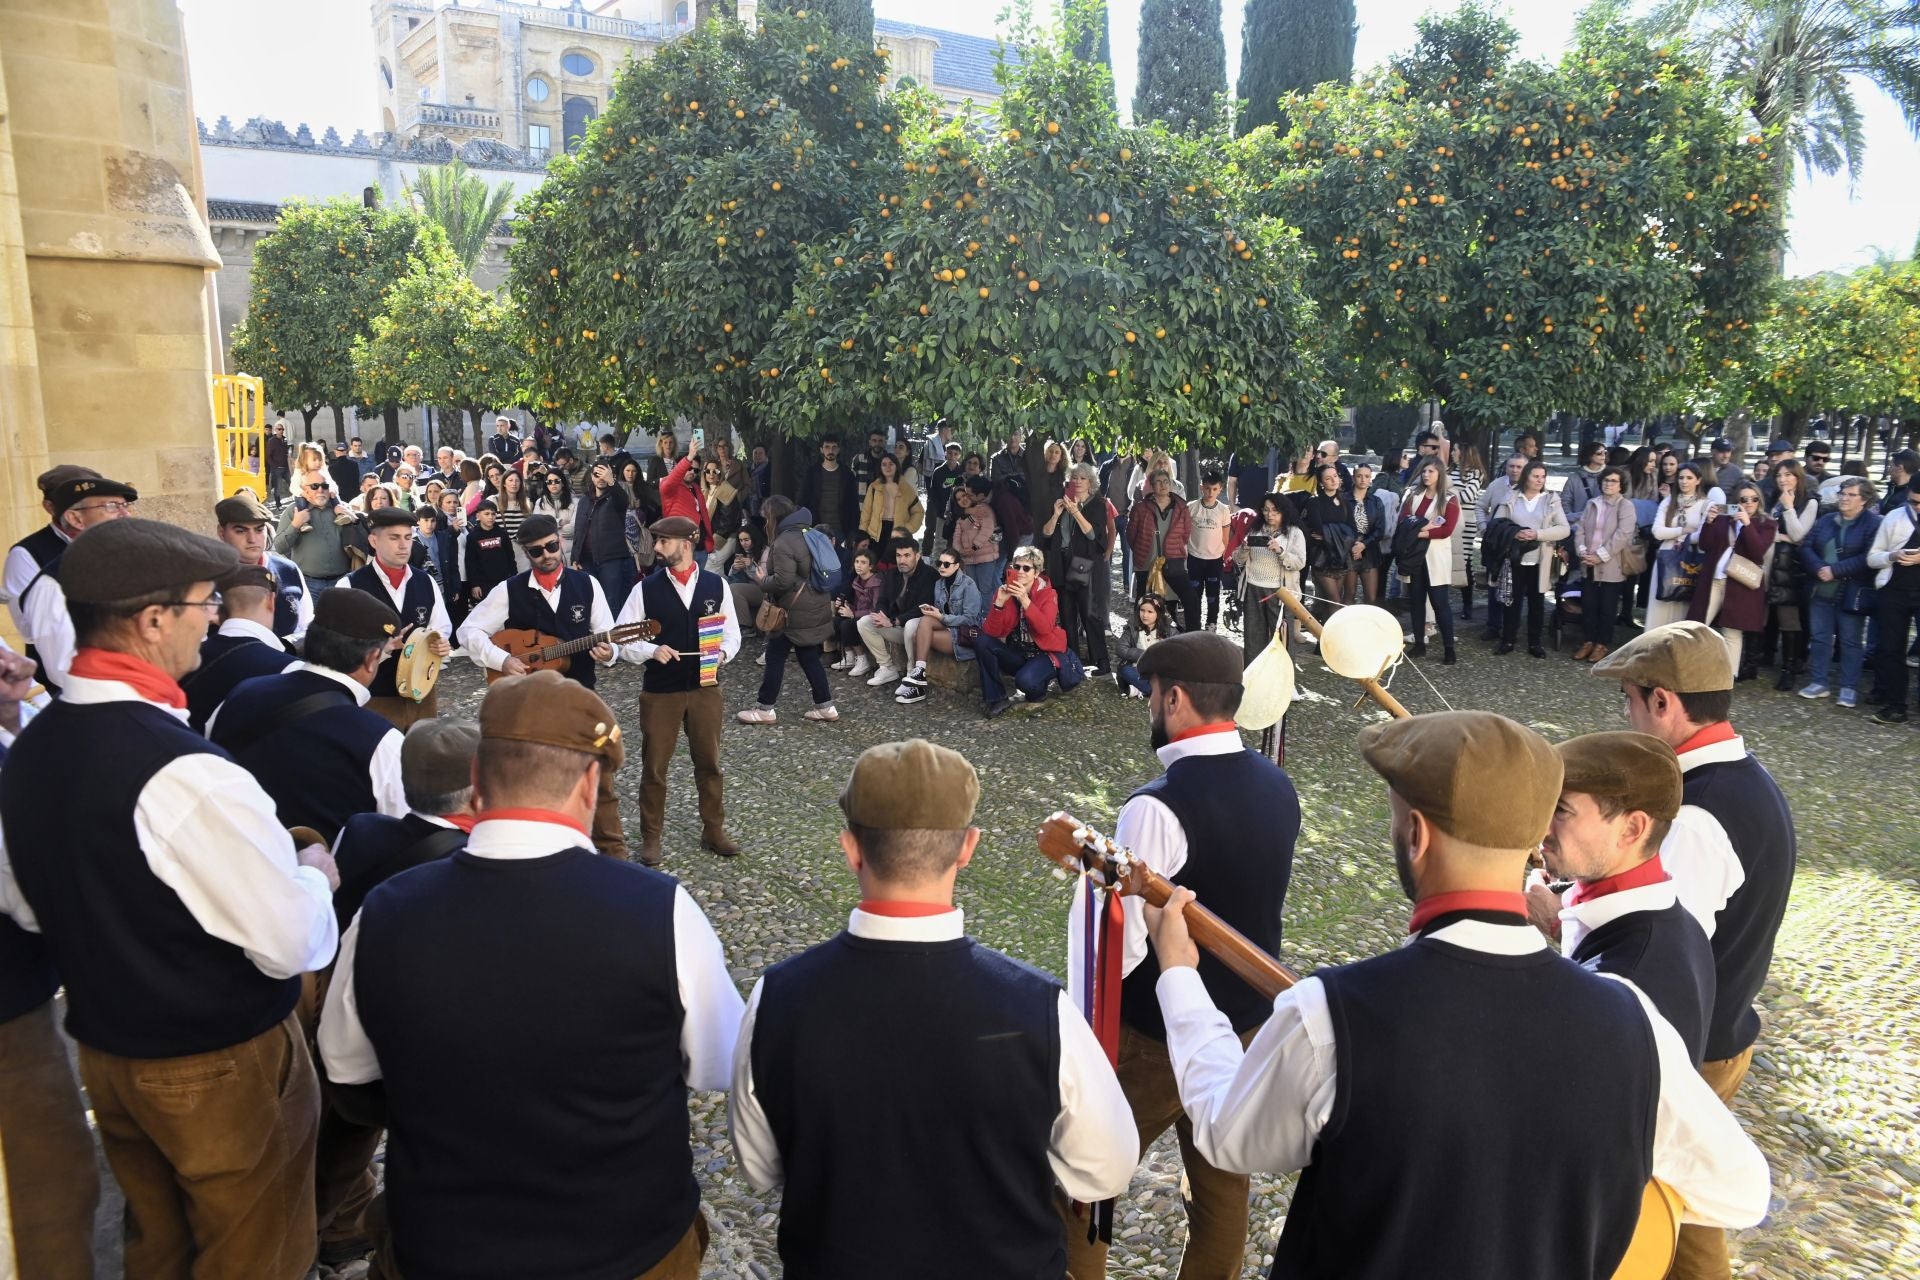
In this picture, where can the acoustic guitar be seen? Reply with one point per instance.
(542, 652)
(1107, 865)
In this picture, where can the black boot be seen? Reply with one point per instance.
(1446, 659)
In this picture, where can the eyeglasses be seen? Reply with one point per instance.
(211, 602)
(1750, 499)
(1025, 568)
(548, 548)
(113, 506)
(949, 564)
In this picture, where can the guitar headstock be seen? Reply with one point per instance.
(1084, 851)
(627, 633)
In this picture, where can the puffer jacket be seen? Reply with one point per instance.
(1850, 569)
(1142, 525)
(809, 613)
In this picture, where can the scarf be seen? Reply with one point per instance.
(147, 680)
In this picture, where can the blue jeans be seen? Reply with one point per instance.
(808, 655)
(999, 660)
(616, 579)
(1130, 675)
(986, 577)
(1829, 621)
(1126, 549)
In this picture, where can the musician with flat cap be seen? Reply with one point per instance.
(243, 647)
(537, 1015)
(1731, 852)
(1221, 820)
(1404, 1087)
(416, 598)
(78, 503)
(680, 683)
(307, 734)
(34, 552)
(566, 604)
(245, 524)
(1622, 915)
(902, 1065)
(178, 914)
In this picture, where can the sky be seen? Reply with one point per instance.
(311, 61)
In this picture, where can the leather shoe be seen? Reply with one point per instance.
(1536, 651)
(719, 842)
(1580, 654)
(650, 850)
(1506, 646)
(1598, 652)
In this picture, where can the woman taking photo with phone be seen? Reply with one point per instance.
(1271, 556)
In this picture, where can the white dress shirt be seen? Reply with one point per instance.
(383, 770)
(707, 993)
(1149, 829)
(1696, 852)
(1094, 1145)
(21, 568)
(212, 836)
(437, 621)
(1581, 918)
(1262, 1109)
(635, 610)
(302, 612)
(490, 615)
(47, 626)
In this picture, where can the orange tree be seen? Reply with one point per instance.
(440, 340)
(1510, 238)
(650, 266)
(1058, 273)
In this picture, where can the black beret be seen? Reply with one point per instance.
(673, 527)
(1202, 657)
(125, 559)
(72, 492)
(390, 517)
(53, 477)
(355, 614)
(242, 508)
(537, 527)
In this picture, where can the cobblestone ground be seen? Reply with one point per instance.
(1835, 1086)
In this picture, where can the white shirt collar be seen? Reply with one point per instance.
(519, 839)
(247, 628)
(1594, 912)
(359, 691)
(433, 818)
(944, 927)
(1494, 939)
(1224, 743)
(1734, 748)
(84, 691)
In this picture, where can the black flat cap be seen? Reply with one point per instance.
(53, 477)
(242, 508)
(125, 559)
(74, 491)
(390, 518)
(536, 528)
(247, 575)
(355, 615)
(673, 527)
(1202, 657)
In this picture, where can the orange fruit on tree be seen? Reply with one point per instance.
(1033, 286)
(984, 291)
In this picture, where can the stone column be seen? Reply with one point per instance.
(23, 427)
(116, 253)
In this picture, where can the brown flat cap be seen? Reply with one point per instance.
(53, 477)
(673, 527)
(1479, 777)
(390, 518)
(537, 528)
(71, 493)
(124, 559)
(1681, 657)
(436, 759)
(247, 575)
(1635, 768)
(355, 614)
(1204, 657)
(548, 708)
(242, 508)
(911, 785)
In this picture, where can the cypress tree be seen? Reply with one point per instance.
(1287, 45)
(1183, 63)
(1092, 45)
(852, 20)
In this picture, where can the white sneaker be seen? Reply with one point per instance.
(842, 662)
(861, 665)
(888, 674)
(917, 675)
(761, 661)
(825, 713)
(757, 715)
(1133, 691)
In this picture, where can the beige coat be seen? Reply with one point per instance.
(1610, 551)
(1548, 520)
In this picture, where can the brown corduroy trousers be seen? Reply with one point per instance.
(1702, 1251)
(46, 1153)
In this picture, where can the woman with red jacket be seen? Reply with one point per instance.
(680, 496)
(1021, 635)
(1157, 529)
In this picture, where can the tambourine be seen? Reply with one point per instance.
(419, 667)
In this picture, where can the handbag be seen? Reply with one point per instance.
(967, 633)
(1680, 568)
(1633, 556)
(1080, 571)
(1745, 572)
(770, 618)
(1069, 670)
(1157, 578)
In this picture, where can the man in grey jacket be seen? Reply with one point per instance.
(314, 532)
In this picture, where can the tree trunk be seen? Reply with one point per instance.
(340, 424)
(479, 440)
(391, 415)
(309, 415)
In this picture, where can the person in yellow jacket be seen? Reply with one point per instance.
(891, 505)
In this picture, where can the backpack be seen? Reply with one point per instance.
(826, 576)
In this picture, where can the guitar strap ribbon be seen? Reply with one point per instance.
(1105, 943)
(712, 631)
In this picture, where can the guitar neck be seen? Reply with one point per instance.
(567, 648)
(1225, 943)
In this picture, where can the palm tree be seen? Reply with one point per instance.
(462, 205)
(1794, 58)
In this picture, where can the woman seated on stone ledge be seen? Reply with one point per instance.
(945, 626)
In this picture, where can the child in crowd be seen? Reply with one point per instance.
(862, 598)
(1150, 623)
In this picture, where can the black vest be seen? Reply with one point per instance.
(144, 979)
(679, 628)
(49, 568)
(374, 848)
(907, 1084)
(416, 610)
(318, 769)
(225, 661)
(527, 1017)
(1744, 799)
(528, 609)
(1666, 954)
(1241, 817)
(286, 598)
(1429, 1165)
(27, 979)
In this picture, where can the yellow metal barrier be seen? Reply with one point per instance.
(239, 434)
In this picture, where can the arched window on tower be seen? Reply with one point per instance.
(578, 113)
(680, 15)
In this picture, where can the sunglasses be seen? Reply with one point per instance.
(949, 564)
(1024, 568)
(548, 548)
(310, 488)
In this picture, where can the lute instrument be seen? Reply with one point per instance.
(1083, 851)
(542, 652)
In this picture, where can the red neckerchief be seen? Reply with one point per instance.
(549, 581)
(147, 680)
(1648, 872)
(395, 576)
(684, 578)
(529, 815)
(1707, 737)
(1218, 726)
(464, 821)
(1440, 904)
(889, 907)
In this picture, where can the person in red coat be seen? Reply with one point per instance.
(1021, 635)
(680, 496)
(1731, 605)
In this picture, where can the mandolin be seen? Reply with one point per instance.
(542, 652)
(1084, 851)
